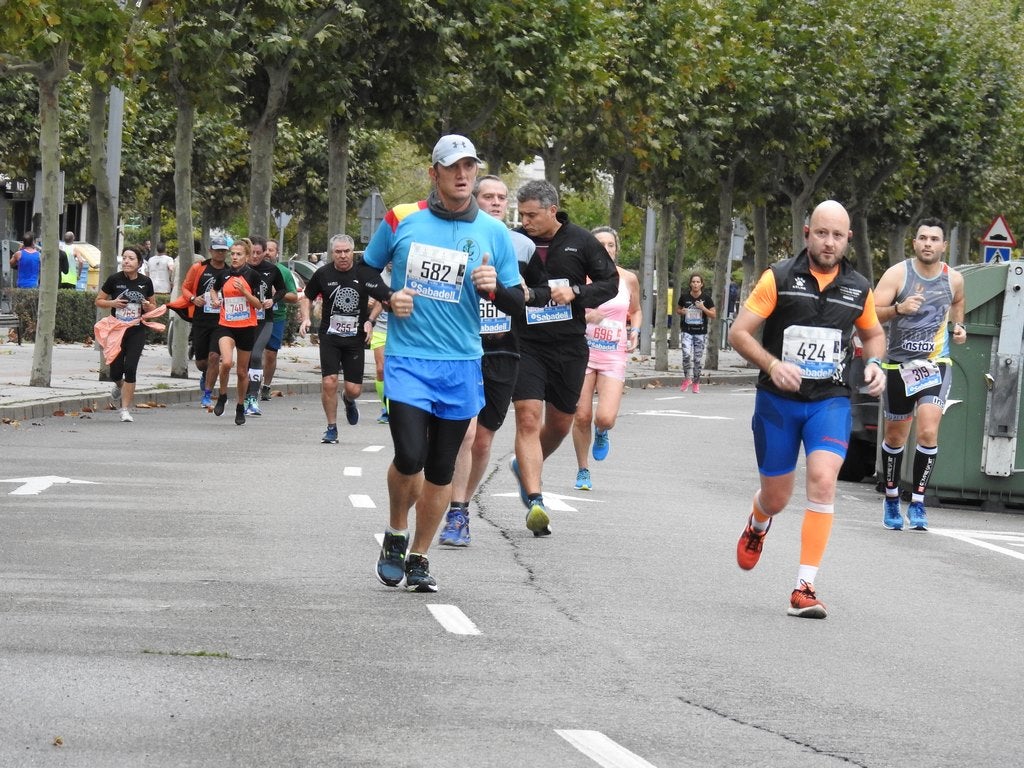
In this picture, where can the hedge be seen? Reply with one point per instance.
(76, 315)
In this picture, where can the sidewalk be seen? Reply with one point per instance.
(75, 384)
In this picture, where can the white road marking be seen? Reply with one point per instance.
(555, 501)
(454, 620)
(603, 750)
(380, 539)
(682, 414)
(353, 472)
(373, 449)
(33, 486)
(361, 501)
(984, 539)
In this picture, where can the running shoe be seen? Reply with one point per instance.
(805, 604)
(383, 418)
(218, 409)
(125, 416)
(115, 394)
(602, 444)
(537, 519)
(331, 435)
(207, 401)
(514, 466)
(252, 407)
(685, 385)
(583, 481)
(456, 528)
(351, 412)
(892, 518)
(916, 516)
(696, 388)
(265, 393)
(748, 548)
(417, 575)
(239, 414)
(391, 561)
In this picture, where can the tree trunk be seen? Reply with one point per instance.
(720, 288)
(798, 216)
(184, 139)
(105, 224)
(664, 237)
(262, 140)
(760, 263)
(862, 246)
(679, 279)
(155, 214)
(337, 175)
(621, 168)
(302, 240)
(897, 239)
(49, 152)
(552, 157)
(107, 236)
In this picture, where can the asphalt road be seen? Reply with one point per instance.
(207, 598)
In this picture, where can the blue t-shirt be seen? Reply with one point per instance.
(435, 257)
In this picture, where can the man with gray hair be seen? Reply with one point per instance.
(345, 288)
(569, 273)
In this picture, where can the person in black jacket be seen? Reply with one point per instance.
(807, 307)
(569, 273)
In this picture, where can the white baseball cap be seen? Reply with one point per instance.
(452, 148)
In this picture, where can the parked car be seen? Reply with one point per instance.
(865, 410)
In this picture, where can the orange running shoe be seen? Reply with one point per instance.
(805, 604)
(748, 549)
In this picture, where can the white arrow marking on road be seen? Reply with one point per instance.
(361, 501)
(978, 539)
(373, 448)
(556, 501)
(603, 750)
(33, 486)
(681, 414)
(454, 620)
(353, 472)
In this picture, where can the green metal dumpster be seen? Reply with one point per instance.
(979, 455)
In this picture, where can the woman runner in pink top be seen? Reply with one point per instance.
(613, 330)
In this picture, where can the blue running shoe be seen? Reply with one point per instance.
(207, 401)
(351, 412)
(456, 528)
(417, 575)
(391, 561)
(383, 418)
(514, 466)
(331, 435)
(601, 444)
(252, 407)
(917, 517)
(583, 480)
(893, 518)
(537, 519)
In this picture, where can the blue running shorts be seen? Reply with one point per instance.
(781, 424)
(447, 389)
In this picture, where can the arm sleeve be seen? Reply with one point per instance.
(869, 317)
(604, 277)
(510, 300)
(762, 299)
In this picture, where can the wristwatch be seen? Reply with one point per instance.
(576, 290)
